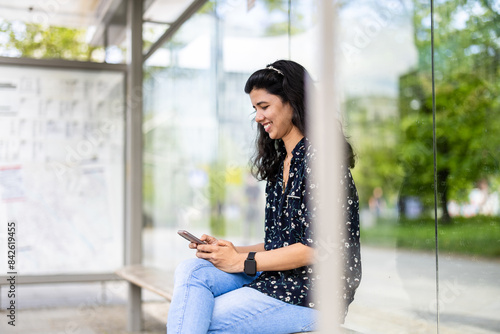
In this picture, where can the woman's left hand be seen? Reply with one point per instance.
(223, 255)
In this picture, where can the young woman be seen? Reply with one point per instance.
(269, 287)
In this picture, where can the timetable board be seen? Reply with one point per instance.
(62, 168)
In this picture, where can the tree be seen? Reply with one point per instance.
(37, 41)
(378, 166)
(467, 105)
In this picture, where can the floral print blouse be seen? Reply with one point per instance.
(289, 216)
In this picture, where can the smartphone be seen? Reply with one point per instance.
(188, 236)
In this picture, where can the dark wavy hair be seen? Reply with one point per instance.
(286, 79)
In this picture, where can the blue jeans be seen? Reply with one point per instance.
(208, 300)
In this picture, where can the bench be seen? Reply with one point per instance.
(160, 282)
(155, 280)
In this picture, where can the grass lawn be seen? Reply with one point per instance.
(477, 236)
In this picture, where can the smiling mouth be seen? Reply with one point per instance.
(267, 126)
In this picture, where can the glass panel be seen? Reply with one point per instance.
(180, 141)
(390, 127)
(61, 168)
(198, 137)
(198, 128)
(251, 38)
(468, 121)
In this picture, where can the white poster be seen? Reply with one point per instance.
(62, 168)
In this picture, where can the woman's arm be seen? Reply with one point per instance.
(252, 248)
(285, 258)
(224, 255)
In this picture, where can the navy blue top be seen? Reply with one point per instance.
(289, 217)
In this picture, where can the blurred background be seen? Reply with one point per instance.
(62, 149)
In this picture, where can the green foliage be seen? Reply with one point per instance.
(281, 28)
(467, 59)
(377, 164)
(217, 198)
(477, 236)
(378, 169)
(465, 36)
(37, 41)
(467, 121)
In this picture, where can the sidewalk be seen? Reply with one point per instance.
(109, 319)
(397, 294)
(85, 308)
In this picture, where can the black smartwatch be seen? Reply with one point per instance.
(250, 265)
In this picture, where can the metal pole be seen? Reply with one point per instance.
(62, 64)
(133, 230)
(167, 35)
(327, 169)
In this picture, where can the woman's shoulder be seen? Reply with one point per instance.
(309, 150)
(310, 155)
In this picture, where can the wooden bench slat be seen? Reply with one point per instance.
(156, 280)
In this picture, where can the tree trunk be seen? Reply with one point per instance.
(442, 188)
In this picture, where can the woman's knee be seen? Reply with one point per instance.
(186, 268)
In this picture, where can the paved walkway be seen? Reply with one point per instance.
(398, 294)
(109, 319)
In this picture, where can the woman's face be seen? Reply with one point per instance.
(272, 114)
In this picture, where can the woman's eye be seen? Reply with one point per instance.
(264, 108)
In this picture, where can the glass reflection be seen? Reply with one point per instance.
(468, 118)
(396, 169)
(377, 53)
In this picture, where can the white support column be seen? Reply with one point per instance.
(133, 214)
(324, 121)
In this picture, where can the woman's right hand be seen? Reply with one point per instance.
(208, 238)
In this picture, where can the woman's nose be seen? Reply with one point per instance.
(259, 117)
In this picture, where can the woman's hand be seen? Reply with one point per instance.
(222, 254)
(207, 238)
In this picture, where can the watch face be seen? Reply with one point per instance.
(250, 267)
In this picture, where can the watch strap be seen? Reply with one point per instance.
(250, 265)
